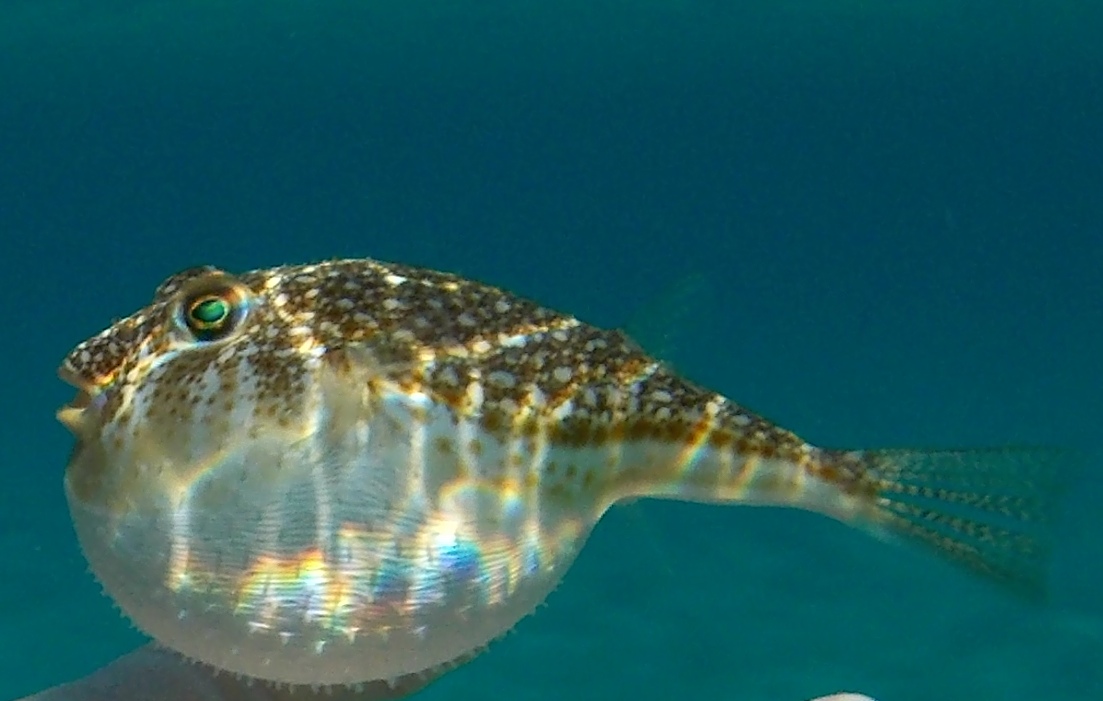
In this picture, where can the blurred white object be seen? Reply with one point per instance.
(844, 697)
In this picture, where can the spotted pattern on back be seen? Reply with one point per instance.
(445, 334)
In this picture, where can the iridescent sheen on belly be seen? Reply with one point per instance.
(371, 544)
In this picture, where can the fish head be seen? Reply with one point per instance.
(193, 479)
(162, 393)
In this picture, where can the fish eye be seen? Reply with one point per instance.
(213, 313)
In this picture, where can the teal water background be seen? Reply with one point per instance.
(898, 207)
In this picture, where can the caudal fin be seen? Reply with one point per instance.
(991, 510)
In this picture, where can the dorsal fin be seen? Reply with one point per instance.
(661, 324)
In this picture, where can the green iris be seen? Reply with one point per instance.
(210, 317)
(210, 312)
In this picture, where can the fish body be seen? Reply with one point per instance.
(355, 470)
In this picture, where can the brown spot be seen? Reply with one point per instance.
(827, 472)
(673, 431)
(530, 427)
(617, 431)
(600, 434)
(638, 430)
(444, 445)
(493, 421)
(453, 396)
(557, 490)
(572, 434)
(720, 439)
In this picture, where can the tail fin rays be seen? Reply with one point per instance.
(990, 510)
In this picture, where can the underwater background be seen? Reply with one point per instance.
(890, 214)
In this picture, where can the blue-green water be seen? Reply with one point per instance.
(898, 207)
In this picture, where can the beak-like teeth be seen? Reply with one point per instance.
(72, 414)
(81, 400)
(72, 418)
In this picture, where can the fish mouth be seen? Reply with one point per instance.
(72, 414)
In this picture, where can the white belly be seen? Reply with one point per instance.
(359, 548)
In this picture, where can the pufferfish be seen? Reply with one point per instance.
(355, 471)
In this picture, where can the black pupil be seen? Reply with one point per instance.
(210, 312)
